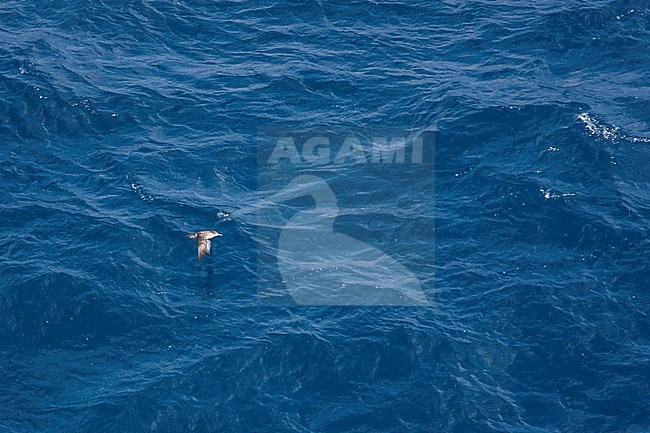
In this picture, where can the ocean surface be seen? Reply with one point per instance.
(491, 275)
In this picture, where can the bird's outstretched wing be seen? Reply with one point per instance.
(204, 246)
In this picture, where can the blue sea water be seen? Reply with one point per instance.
(126, 125)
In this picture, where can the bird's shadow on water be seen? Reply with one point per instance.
(215, 284)
(225, 285)
(208, 288)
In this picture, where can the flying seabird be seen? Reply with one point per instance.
(203, 241)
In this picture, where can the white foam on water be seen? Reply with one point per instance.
(596, 128)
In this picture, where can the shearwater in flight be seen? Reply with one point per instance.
(203, 241)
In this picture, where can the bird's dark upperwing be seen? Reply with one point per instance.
(204, 246)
